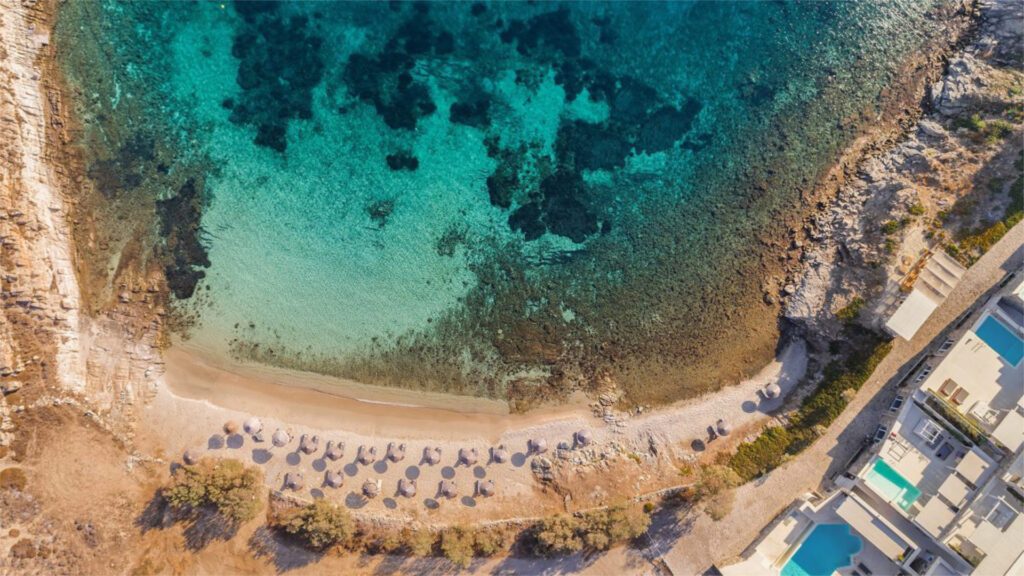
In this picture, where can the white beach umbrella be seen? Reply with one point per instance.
(252, 426)
(281, 438)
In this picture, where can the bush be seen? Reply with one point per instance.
(615, 524)
(817, 412)
(491, 540)
(457, 545)
(321, 524)
(850, 312)
(12, 479)
(558, 535)
(421, 542)
(230, 487)
(720, 505)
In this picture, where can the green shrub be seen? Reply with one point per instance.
(850, 312)
(321, 524)
(457, 545)
(229, 486)
(558, 535)
(421, 542)
(917, 209)
(816, 413)
(488, 541)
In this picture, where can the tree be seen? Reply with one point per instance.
(715, 479)
(322, 524)
(558, 534)
(491, 540)
(229, 486)
(421, 542)
(457, 545)
(617, 523)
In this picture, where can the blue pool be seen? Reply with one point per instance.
(829, 547)
(1002, 340)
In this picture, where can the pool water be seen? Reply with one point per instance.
(885, 480)
(999, 338)
(827, 548)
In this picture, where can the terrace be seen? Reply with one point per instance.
(990, 534)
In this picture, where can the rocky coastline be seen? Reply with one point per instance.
(109, 366)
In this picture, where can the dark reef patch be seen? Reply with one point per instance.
(183, 249)
(280, 64)
(380, 211)
(126, 170)
(545, 34)
(402, 161)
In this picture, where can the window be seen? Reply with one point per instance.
(924, 374)
(945, 346)
(897, 403)
(928, 430)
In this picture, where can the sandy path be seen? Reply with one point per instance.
(757, 503)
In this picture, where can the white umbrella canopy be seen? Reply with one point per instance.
(448, 489)
(431, 455)
(584, 437)
(370, 489)
(500, 454)
(308, 444)
(468, 456)
(252, 426)
(396, 452)
(190, 457)
(335, 450)
(485, 488)
(537, 445)
(723, 427)
(281, 438)
(407, 487)
(367, 455)
(773, 390)
(334, 478)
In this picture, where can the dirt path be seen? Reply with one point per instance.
(706, 542)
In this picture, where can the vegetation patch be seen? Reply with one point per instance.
(817, 412)
(228, 487)
(975, 243)
(599, 530)
(851, 311)
(320, 525)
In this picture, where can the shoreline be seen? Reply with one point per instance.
(312, 401)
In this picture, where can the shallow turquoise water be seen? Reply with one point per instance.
(828, 547)
(474, 195)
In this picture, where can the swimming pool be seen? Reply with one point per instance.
(1002, 340)
(828, 547)
(886, 481)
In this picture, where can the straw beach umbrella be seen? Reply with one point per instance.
(584, 437)
(468, 456)
(367, 455)
(448, 489)
(723, 427)
(499, 454)
(281, 438)
(294, 481)
(308, 444)
(431, 455)
(407, 487)
(370, 489)
(396, 452)
(334, 479)
(537, 446)
(335, 450)
(230, 427)
(190, 457)
(485, 488)
(252, 426)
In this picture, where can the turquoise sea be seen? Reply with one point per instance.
(490, 198)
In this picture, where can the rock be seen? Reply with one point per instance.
(789, 289)
(10, 387)
(542, 469)
(931, 129)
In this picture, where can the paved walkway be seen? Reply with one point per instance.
(705, 542)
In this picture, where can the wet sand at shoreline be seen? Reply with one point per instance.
(326, 402)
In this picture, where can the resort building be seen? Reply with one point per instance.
(927, 286)
(941, 488)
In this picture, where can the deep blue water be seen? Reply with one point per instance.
(478, 197)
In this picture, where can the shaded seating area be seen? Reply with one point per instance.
(371, 489)
(431, 455)
(537, 446)
(335, 450)
(280, 438)
(367, 455)
(499, 455)
(407, 488)
(294, 481)
(334, 479)
(309, 444)
(448, 489)
(485, 488)
(468, 456)
(395, 452)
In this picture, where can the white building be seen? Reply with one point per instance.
(935, 280)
